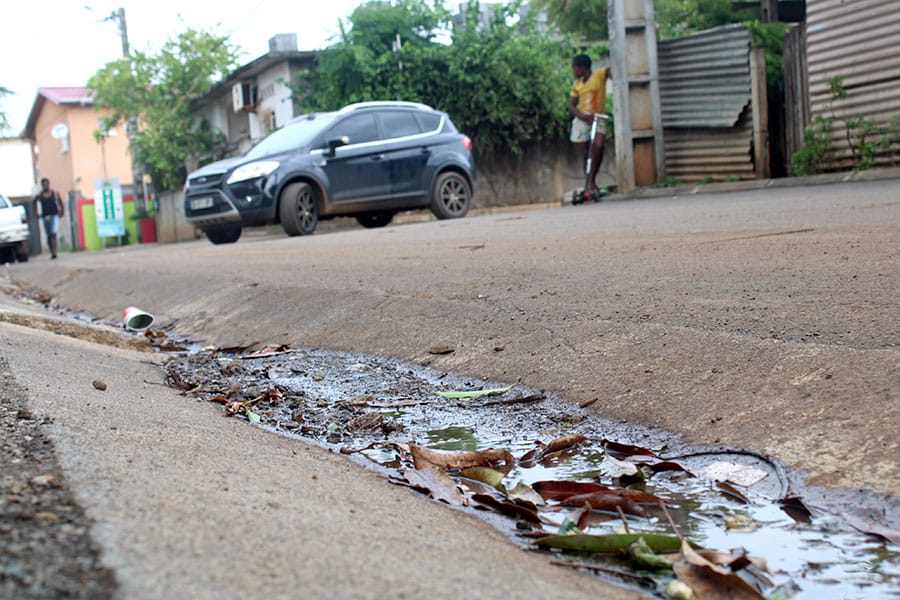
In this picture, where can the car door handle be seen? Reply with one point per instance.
(425, 151)
(378, 157)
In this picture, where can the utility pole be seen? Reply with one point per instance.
(769, 11)
(119, 15)
(137, 172)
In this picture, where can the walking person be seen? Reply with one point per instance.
(51, 210)
(588, 96)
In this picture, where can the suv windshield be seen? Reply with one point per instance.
(292, 136)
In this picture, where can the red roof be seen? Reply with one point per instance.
(66, 95)
(58, 95)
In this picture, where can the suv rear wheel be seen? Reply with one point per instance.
(223, 236)
(451, 196)
(375, 219)
(298, 209)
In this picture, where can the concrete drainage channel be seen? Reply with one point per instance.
(623, 501)
(537, 466)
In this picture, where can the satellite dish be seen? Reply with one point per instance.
(60, 131)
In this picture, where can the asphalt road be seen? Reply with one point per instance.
(765, 319)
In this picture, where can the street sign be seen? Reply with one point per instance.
(108, 207)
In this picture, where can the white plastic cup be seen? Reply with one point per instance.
(136, 319)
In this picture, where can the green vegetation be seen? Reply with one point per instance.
(159, 88)
(504, 82)
(865, 138)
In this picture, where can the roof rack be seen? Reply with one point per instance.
(384, 104)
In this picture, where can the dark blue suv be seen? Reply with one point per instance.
(368, 160)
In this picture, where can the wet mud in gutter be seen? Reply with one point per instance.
(623, 501)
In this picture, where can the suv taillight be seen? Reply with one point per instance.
(467, 143)
(24, 219)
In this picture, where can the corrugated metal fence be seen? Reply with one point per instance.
(705, 91)
(859, 41)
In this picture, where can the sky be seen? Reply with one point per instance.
(59, 43)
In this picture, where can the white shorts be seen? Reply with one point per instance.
(581, 131)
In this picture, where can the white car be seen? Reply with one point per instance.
(14, 232)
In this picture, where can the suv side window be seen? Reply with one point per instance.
(358, 128)
(399, 123)
(429, 121)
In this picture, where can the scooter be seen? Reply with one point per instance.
(585, 194)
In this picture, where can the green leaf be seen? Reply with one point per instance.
(614, 542)
(251, 416)
(642, 556)
(491, 477)
(475, 393)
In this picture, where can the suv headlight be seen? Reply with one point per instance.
(252, 170)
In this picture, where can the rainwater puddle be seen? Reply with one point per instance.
(718, 498)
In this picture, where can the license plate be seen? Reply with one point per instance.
(201, 202)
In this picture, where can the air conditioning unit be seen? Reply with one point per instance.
(243, 96)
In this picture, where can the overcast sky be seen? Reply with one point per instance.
(52, 43)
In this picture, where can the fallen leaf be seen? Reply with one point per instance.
(365, 422)
(251, 416)
(384, 444)
(738, 474)
(558, 490)
(522, 493)
(506, 507)
(475, 393)
(492, 477)
(709, 581)
(642, 556)
(270, 350)
(627, 449)
(796, 509)
(733, 562)
(732, 492)
(871, 526)
(602, 501)
(616, 468)
(436, 483)
(614, 542)
(458, 460)
(532, 457)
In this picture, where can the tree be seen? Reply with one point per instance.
(588, 19)
(158, 89)
(504, 84)
(585, 19)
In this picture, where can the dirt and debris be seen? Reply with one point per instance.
(47, 551)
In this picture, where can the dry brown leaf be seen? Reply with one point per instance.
(560, 490)
(436, 483)
(710, 581)
(444, 459)
(610, 502)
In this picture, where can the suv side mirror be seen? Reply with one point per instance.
(334, 144)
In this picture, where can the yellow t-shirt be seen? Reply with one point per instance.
(591, 94)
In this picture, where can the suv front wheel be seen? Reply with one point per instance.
(298, 209)
(451, 196)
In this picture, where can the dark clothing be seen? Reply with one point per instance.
(50, 205)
